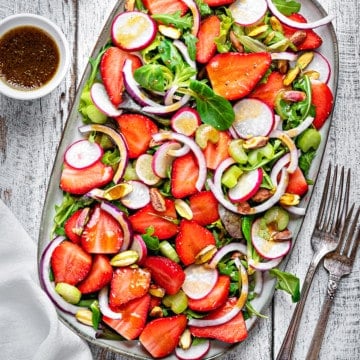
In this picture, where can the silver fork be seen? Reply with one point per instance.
(338, 264)
(329, 222)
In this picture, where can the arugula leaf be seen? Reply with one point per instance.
(190, 41)
(203, 8)
(305, 161)
(214, 110)
(151, 241)
(287, 7)
(175, 19)
(287, 282)
(222, 43)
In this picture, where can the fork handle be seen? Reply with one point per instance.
(315, 346)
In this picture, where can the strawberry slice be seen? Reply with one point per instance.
(234, 75)
(70, 263)
(268, 90)
(297, 183)
(216, 298)
(73, 226)
(161, 336)
(137, 130)
(100, 275)
(312, 40)
(102, 233)
(128, 284)
(204, 207)
(134, 315)
(80, 181)
(323, 100)
(184, 173)
(166, 273)
(231, 332)
(191, 239)
(165, 6)
(214, 3)
(163, 223)
(111, 65)
(218, 152)
(208, 31)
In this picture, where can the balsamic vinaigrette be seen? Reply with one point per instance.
(29, 58)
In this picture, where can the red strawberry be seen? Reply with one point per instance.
(70, 263)
(204, 207)
(184, 173)
(102, 233)
(137, 130)
(297, 183)
(205, 46)
(162, 222)
(216, 153)
(165, 273)
(73, 226)
(234, 75)
(216, 298)
(312, 40)
(134, 315)
(323, 100)
(231, 332)
(214, 3)
(100, 275)
(111, 66)
(80, 181)
(165, 6)
(268, 90)
(161, 336)
(128, 284)
(191, 239)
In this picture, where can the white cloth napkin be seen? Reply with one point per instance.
(29, 326)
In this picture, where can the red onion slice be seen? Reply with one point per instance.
(299, 129)
(264, 266)
(238, 247)
(196, 15)
(284, 55)
(104, 305)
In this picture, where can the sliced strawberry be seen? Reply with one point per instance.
(134, 315)
(191, 239)
(312, 40)
(204, 207)
(161, 336)
(297, 183)
(80, 181)
(111, 66)
(163, 223)
(216, 298)
(234, 75)
(214, 3)
(128, 284)
(74, 225)
(184, 173)
(231, 332)
(165, 273)
(323, 100)
(268, 90)
(100, 275)
(205, 46)
(216, 153)
(165, 6)
(102, 233)
(137, 130)
(70, 263)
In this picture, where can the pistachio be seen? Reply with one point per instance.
(157, 200)
(236, 43)
(283, 66)
(156, 312)
(304, 59)
(293, 95)
(156, 291)
(118, 191)
(258, 30)
(205, 254)
(312, 74)
(276, 24)
(84, 316)
(255, 142)
(125, 258)
(169, 31)
(205, 133)
(129, 5)
(298, 37)
(68, 292)
(183, 209)
(185, 340)
(269, 37)
(291, 75)
(288, 199)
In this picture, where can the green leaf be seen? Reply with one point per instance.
(175, 19)
(153, 77)
(287, 282)
(203, 8)
(287, 7)
(152, 242)
(305, 161)
(190, 41)
(214, 110)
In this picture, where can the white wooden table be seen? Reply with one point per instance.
(30, 133)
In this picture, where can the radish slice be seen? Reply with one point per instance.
(191, 4)
(265, 266)
(101, 99)
(144, 169)
(138, 197)
(267, 248)
(295, 24)
(162, 160)
(199, 281)
(195, 352)
(235, 246)
(253, 118)
(133, 30)
(320, 64)
(186, 121)
(247, 186)
(248, 12)
(104, 305)
(139, 246)
(83, 153)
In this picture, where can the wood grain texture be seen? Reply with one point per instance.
(30, 132)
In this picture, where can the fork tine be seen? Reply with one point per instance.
(344, 232)
(356, 238)
(343, 202)
(324, 198)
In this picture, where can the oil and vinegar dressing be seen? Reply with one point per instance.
(29, 58)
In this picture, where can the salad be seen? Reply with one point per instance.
(199, 124)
